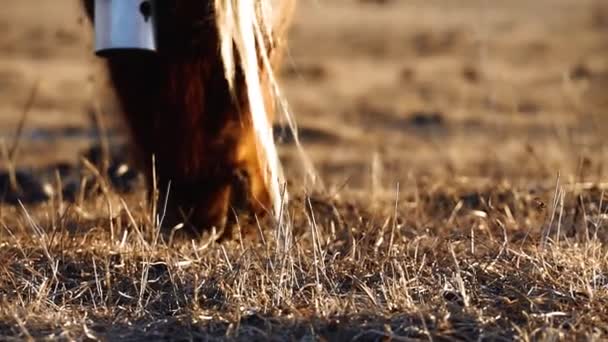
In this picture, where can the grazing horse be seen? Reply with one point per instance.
(203, 105)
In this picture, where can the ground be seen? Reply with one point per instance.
(461, 162)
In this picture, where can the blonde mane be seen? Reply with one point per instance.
(251, 29)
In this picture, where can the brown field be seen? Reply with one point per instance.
(461, 147)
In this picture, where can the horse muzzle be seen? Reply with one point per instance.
(124, 25)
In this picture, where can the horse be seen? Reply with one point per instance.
(202, 107)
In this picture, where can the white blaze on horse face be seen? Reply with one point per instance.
(124, 25)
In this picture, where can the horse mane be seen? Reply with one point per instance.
(249, 29)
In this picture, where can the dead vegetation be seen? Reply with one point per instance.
(439, 261)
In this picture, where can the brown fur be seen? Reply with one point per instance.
(179, 109)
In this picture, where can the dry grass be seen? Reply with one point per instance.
(440, 261)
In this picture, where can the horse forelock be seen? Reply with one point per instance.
(252, 30)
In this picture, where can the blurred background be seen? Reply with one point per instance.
(384, 91)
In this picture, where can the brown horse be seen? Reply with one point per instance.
(203, 105)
